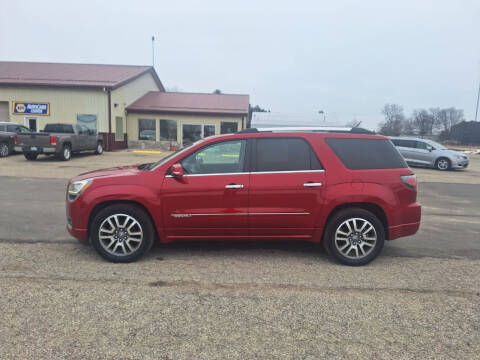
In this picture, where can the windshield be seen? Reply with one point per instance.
(437, 145)
(167, 158)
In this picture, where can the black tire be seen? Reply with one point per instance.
(122, 210)
(66, 153)
(30, 155)
(4, 149)
(443, 164)
(336, 223)
(99, 149)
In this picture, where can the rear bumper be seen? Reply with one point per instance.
(39, 149)
(403, 230)
(409, 224)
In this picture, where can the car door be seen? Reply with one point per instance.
(424, 154)
(83, 138)
(407, 147)
(286, 188)
(211, 199)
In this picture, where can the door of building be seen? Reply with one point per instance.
(32, 124)
(4, 114)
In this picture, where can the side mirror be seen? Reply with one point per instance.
(429, 148)
(177, 170)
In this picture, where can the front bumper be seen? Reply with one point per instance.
(460, 164)
(80, 234)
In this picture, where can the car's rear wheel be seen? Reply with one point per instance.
(443, 164)
(99, 149)
(30, 155)
(4, 149)
(122, 233)
(66, 153)
(354, 236)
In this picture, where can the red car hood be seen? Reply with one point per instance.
(115, 171)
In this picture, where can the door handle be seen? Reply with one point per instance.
(234, 186)
(312, 184)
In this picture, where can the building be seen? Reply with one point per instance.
(126, 104)
(183, 118)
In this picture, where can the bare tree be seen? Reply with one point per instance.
(423, 121)
(408, 127)
(450, 117)
(394, 120)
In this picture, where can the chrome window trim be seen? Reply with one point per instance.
(287, 171)
(256, 172)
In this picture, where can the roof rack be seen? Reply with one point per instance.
(350, 130)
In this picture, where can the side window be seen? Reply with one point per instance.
(3, 127)
(422, 145)
(408, 143)
(395, 142)
(285, 154)
(219, 158)
(83, 130)
(23, 129)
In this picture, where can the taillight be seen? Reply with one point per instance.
(53, 140)
(15, 140)
(410, 181)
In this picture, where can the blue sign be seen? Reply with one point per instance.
(31, 108)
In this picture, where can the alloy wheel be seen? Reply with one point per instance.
(120, 234)
(443, 164)
(3, 150)
(355, 238)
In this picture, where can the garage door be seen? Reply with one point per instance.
(4, 111)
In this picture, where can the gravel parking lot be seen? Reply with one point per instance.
(59, 300)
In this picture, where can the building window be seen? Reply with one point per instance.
(195, 132)
(208, 130)
(88, 120)
(168, 130)
(119, 129)
(146, 129)
(228, 127)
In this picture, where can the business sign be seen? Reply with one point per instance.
(31, 108)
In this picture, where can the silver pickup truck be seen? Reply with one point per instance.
(61, 140)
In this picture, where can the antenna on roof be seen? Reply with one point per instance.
(153, 51)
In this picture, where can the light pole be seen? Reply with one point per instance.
(321, 112)
(153, 51)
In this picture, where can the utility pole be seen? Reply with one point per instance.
(478, 99)
(153, 51)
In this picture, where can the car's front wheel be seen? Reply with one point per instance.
(122, 233)
(354, 236)
(443, 164)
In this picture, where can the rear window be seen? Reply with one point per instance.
(357, 154)
(59, 128)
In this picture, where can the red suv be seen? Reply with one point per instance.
(350, 191)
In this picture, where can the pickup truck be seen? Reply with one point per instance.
(7, 143)
(61, 140)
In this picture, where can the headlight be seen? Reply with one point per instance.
(459, 157)
(77, 187)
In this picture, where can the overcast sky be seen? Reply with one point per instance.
(345, 57)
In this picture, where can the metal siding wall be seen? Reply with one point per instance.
(65, 104)
(4, 111)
